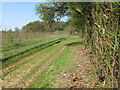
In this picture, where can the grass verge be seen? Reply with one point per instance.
(16, 58)
(47, 78)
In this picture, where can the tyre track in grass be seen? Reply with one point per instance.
(40, 70)
(20, 71)
(11, 67)
(15, 78)
(82, 74)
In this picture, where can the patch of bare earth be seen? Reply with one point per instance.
(80, 75)
(17, 78)
(10, 67)
(39, 71)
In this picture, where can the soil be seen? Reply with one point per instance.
(10, 67)
(81, 75)
(15, 78)
(40, 70)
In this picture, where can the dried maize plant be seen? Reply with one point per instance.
(105, 41)
(98, 25)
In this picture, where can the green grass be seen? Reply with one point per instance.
(19, 47)
(48, 52)
(26, 53)
(47, 78)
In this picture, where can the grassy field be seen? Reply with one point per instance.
(13, 49)
(44, 69)
(47, 79)
(13, 46)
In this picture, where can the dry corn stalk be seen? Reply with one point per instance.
(114, 60)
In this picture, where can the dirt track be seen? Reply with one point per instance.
(19, 62)
(18, 76)
(80, 75)
(40, 70)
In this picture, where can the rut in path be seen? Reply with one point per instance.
(40, 70)
(82, 74)
(16, 81)
(10, 67)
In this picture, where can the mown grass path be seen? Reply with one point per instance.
(29, 65)
(43, 69)
(10, 67)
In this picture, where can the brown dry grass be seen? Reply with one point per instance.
(40, 70)
(80, 75)
(16, 78)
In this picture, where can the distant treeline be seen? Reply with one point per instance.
(38, 26)
(42, 27)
